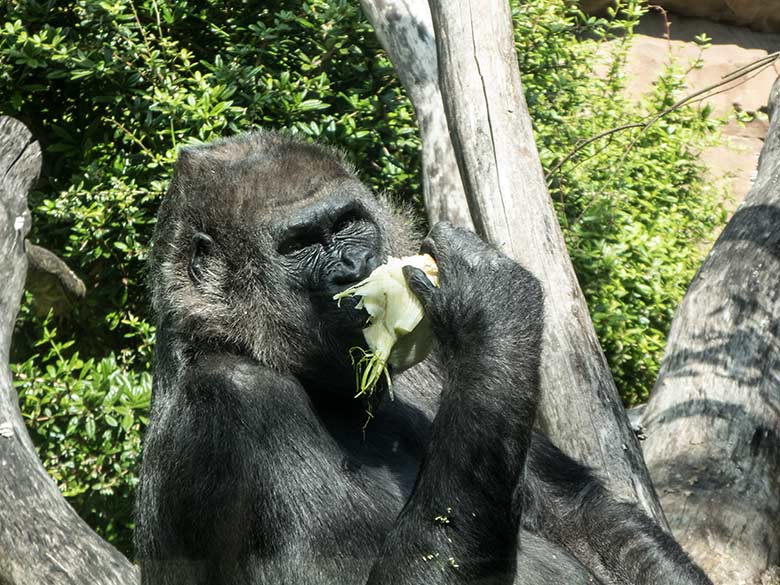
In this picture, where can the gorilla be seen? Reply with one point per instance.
(256, 468)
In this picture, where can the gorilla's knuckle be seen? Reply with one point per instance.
(441, 228)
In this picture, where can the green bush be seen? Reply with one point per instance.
(86, 419)
(112, 88)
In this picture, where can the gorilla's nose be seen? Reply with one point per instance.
(354, 266)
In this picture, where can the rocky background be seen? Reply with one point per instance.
(760, 15)
(666, 36)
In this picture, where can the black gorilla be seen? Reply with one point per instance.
(256, 469)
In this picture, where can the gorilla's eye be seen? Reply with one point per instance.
(297, 242)
(346, 221)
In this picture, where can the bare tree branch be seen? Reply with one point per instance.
(43, 541)
(713, 419)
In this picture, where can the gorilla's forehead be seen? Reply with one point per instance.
(261, 173)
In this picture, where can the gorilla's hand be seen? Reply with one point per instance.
(486, 304)
(487, 319)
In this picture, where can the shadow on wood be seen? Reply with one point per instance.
(713, 420)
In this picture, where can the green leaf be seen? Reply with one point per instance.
(89, 427)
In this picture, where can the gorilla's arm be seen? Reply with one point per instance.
(541, 562)
(566, 503)
(193, 476)
(233, 457)
(461, 522)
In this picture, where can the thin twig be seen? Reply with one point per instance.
(768, 58)
(667, 23)
(742, 81)
(591, 140)
(129, 134)
(157, 17)
(685, 101)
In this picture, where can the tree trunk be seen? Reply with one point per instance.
(42, 541)
(404, 28)
(496, 152)
(713, 420)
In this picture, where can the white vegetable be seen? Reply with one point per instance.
(397, 332)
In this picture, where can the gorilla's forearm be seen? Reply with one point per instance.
(460, 524)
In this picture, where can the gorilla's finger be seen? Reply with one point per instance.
(449, 240)
(445, 231)
(422, 288)
(428, 246)
(441, 229)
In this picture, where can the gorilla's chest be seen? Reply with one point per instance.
(384, 472)
(335, 523)
(379, 460)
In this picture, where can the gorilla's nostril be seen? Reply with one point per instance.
(354, 267)
(369, 264)
(348, 275)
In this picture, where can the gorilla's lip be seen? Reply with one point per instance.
(349, 309)
(329, 293)
(332, 291)
(344, 309)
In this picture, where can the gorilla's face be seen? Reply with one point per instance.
(255, 237)
(324, 247)
(329, 244)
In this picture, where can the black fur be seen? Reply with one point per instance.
(256, 469)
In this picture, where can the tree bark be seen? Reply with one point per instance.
(494, 144)
(42, 541)
(404, 28)
(713, 420)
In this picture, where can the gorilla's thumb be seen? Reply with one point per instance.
(422, 288)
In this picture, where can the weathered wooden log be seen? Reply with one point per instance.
(494, 144)
(713, 420)
(42, 539)
(404, 28)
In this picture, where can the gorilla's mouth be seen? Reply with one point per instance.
(350, 313)
(340, 314)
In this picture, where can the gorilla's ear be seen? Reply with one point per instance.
(202, 246)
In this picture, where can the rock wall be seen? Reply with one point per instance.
(760, 15)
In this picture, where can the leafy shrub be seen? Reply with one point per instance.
(112, 88)
(86, 419)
